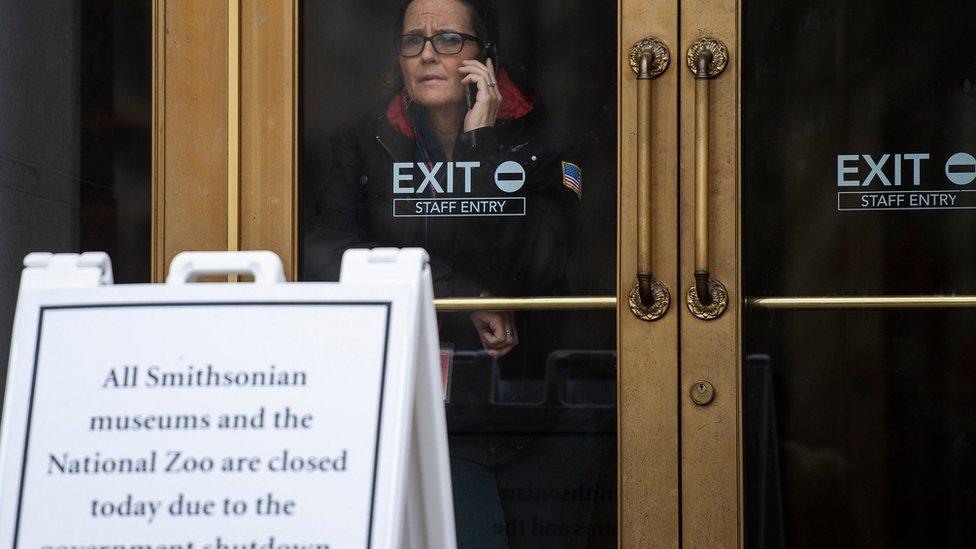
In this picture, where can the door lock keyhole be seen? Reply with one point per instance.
(702, 393)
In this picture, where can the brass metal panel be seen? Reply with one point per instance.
(233, 127)
(647, 351)
(269, 129)
(157, 270)
(711, 509)
(189, 129)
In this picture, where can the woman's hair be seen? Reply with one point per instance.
(484, 19)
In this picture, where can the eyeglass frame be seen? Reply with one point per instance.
(464, 38)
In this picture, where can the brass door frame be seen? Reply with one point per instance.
(225, 176)
(647, 373)
(711, 445)
(190, 130)
(269, 129)
(225, 129)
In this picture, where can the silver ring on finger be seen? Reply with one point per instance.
(508, 332)
(492, 84)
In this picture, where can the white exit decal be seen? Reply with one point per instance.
(897, 181)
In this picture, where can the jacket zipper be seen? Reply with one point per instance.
(393, 158)
(385, 148)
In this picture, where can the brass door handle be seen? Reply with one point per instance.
(707, 57)
(649, 299)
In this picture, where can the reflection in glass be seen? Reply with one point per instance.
(345, 77)
(857, 428)
(531, 411)
(75, 119)
(864, 79)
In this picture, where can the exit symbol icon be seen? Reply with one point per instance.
(961, 168)
(510, 176)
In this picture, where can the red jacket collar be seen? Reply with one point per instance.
(515, 104)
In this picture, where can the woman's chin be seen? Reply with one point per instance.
(436, 100)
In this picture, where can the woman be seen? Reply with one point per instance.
(451, 103)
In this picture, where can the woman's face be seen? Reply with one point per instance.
(432, 79)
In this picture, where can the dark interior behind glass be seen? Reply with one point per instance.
(859, 426)
(75, 134)
(542, 419)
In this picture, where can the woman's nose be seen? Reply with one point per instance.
(428, 55)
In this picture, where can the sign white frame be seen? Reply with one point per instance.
(412, 503)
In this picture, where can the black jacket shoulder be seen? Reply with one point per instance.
(519, 255)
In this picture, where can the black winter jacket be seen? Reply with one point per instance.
(505, 256)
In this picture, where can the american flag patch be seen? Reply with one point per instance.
(573, 178)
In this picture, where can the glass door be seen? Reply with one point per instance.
(554, 234)
(840, 163)
(538, 217)
(75, 101)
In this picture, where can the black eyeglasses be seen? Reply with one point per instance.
(445, 43)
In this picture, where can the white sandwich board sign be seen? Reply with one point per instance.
(266, 415)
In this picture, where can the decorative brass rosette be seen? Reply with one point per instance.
(714, 46)
(662, 56)
(662, 300)
(720, 301)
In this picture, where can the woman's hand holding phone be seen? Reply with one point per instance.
(488, 99)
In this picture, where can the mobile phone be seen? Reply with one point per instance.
(487, 52)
